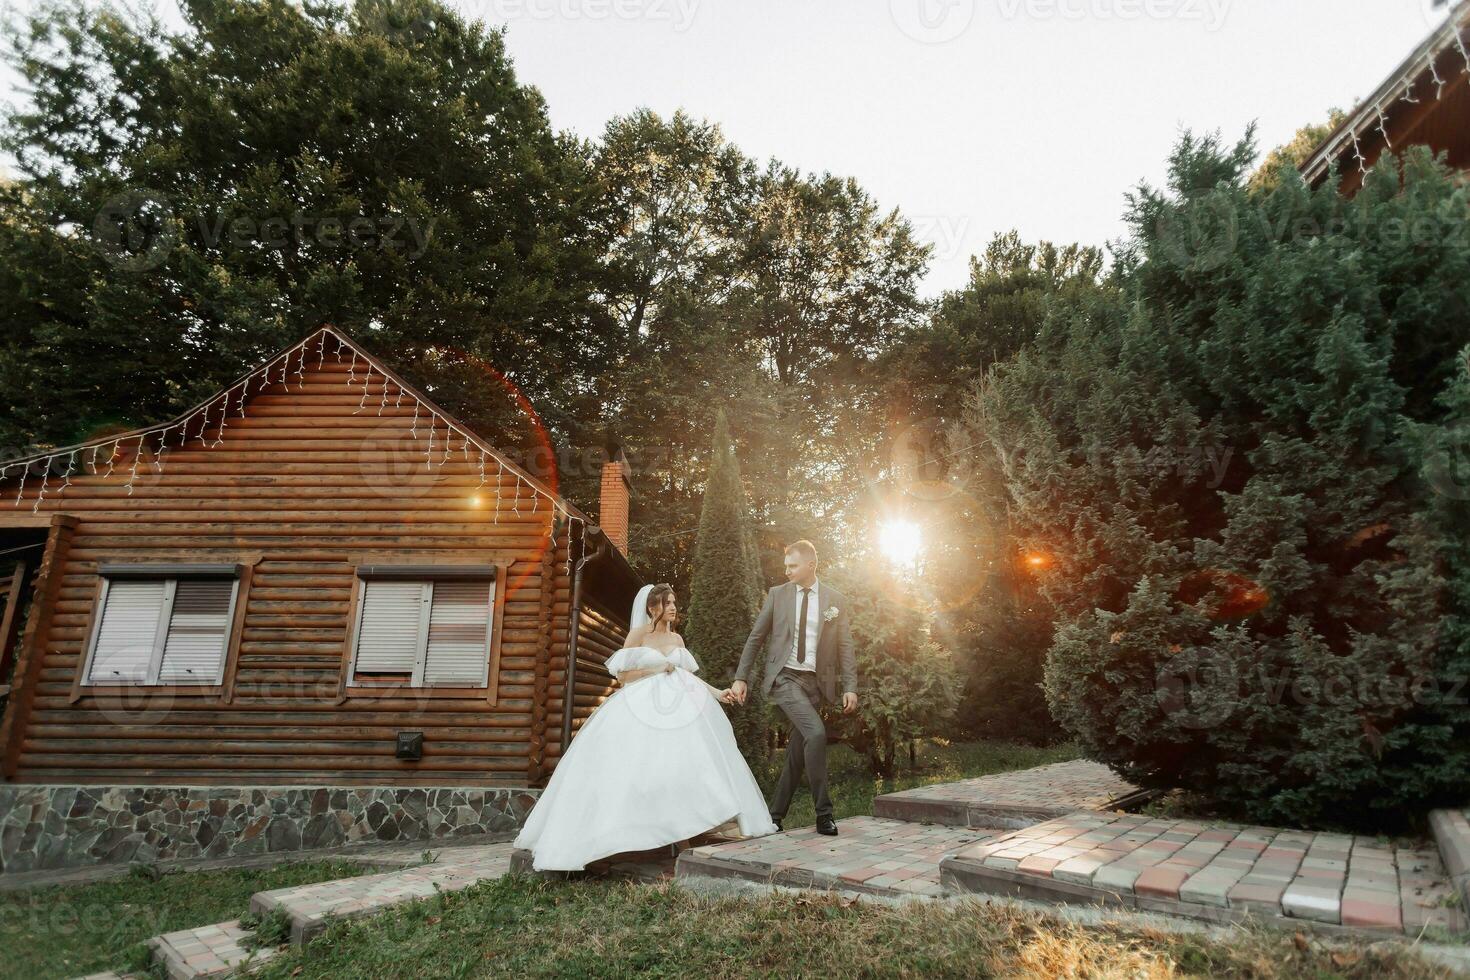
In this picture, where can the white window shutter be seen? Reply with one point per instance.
(128, 632)
(388, 637)
(458, 651)
(199, 627)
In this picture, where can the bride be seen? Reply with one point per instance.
(655, 764)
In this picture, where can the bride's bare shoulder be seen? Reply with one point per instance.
(635, 637)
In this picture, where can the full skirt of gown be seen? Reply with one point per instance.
(656, 763)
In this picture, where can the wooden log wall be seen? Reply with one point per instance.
(600, 634)
(309, 483)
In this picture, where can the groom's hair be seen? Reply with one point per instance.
(804, 548)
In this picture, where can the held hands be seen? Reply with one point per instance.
(736, 693)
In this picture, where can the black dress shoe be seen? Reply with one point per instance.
(777, 822)
(827, 826)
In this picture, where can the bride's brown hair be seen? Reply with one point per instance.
(658, 597)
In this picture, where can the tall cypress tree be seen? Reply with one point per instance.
(725, 592)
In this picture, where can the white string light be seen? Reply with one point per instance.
(45, 484)
(1460, 44)
(366, 381)
(71, 468)
(162, 449)
(137, 455)
(499, 473)
(1383, 125)
(263, 375)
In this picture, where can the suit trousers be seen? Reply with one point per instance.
(798, 696)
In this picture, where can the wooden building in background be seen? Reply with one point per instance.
(317, 577)
(1425, 101)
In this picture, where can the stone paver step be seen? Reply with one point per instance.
(1216, 871)
(309, 907)
(208, 951)
(870, 855)
(1011, 799)
(1451, 829)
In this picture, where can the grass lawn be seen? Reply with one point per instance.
(853, 787)
(521, 926)
(72, 930)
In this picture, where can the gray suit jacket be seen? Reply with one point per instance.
(775, 628)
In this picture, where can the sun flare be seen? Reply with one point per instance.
(900, 541)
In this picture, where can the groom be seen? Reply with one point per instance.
(803, 634)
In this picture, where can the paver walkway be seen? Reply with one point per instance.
(1215, 871)
(310, 906)
(870, 854)
(206, 951)
(1011, 799)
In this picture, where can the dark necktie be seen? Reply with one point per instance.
(806, 595)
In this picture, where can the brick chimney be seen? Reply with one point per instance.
(613, 503)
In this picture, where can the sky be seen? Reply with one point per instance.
(971, 117)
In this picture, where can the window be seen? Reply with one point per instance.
(165, 625)
(424, 627)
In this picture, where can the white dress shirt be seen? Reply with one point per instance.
(813, 629)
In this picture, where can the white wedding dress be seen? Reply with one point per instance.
(656, 763)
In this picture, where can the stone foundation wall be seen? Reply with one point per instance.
(78, 826)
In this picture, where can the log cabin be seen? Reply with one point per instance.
(312, 609)
(1424, 101)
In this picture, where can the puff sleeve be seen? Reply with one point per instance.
(621, 661)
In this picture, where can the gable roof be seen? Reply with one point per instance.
(1424, 75)
(314, 344)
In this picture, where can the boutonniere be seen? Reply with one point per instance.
(830, 614)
